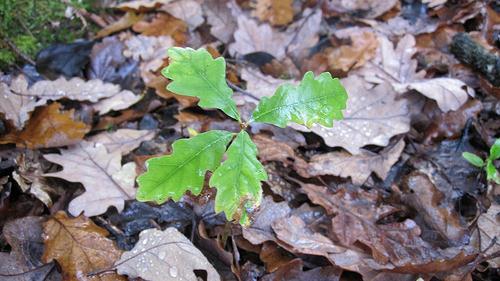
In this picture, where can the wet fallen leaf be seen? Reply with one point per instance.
(106, 181)
(25, 238)
(260, 229)
(373, 116)
(49, 127)
(122, 140)
(274, 256)
(80, 247)
(358, 167)
(276, 12)
(164, 256)
(15, 106)
(219, 17)
(293, 271)
(11, 269)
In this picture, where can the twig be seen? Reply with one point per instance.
(246, 93)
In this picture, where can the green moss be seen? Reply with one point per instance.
(34, 24)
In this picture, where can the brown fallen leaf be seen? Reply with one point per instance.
(141, 5)
(293, 271)
(11, 269)
(106, 181)
(260, 229)
(273, 256)
(49, 127)
(276, 12)
(273, 150)
(80, 247)
(395, 65)
(188, 11)
(373, 116)
(358, 167)
(24, 236)
(122, 140)
(220, 18)
(489, 228)
(362, 49)
(164, 256)
(163, 24)
(126, 21)
(15, 106)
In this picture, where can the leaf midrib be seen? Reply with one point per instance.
(290, 105)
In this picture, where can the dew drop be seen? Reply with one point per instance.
(145, 241)
(173, 271)
(162, 255)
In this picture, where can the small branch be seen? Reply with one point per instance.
(246, 93)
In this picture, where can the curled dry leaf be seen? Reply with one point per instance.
(276, 12)
(106, 181)
(260, 229)
(80, 247)
(395, 65)
(164, 256)
(220, 18)
(358, 167)
(122, 140)
(13, 104)
(49, 127)
(373, 116)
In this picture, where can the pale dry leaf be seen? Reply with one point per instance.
(188, 11)
(97, 169)
(80, 247)
(373, 116)
(259, 84)
(14, 104)
(276, 12)
(367, 8)
(260, 230)
(164, 256)
(141, 5)
(120, 101)
(220, 18)
(251, 37)
(489, 227)
(126, 21)
(399, 26)
(303, 34)
(358, 167)
(122, 140)
(396, 66)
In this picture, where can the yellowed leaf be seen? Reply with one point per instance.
(276, 12)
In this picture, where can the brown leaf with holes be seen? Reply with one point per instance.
(276, 12)
(358, 167)
(80, 247)
(49, 126)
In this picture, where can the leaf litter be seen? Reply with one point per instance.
(383, 195)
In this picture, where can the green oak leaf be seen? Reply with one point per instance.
(492, 173)
(195, 73)
(495, 150)
(315, 100)
(238, 180)
(172, 175)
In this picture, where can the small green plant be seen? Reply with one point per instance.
(488, 165)
(316, 100)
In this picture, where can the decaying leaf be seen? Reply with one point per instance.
(49, 127)
(489, 227)
(80, 247)
(260, 229)
(11, 269)
(14, 104)
(358, 167)
(30, 178)
(106, 181)
(122, 140)
(396, 66)
(276, 12)
(373, 116)
(219, 17)
(25, 238)
(164, 256)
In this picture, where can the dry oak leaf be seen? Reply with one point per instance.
(122, 140)
(358, 167)
(49, 127)
(13, 104)
(303, 33)
(188, 11)
(12, 269)
(126, 21)
(107, 183)
(367, 8)
(276, 12)
(395, 65)
(80, 247)
(373, 116)
(260, 230)
(164, 256)
(120, 101)
(362, 49)
(163, 24)
(489, 228)
(220, 18)
(141, 5)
